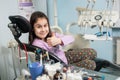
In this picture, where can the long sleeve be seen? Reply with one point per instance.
(66, 39)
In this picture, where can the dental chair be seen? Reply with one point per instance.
(20, 25)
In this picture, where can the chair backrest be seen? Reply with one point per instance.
(22, 23)
(19, 25)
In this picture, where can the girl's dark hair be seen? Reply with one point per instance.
(34, 17)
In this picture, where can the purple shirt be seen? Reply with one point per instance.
(66, 39)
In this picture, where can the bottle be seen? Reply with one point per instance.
(58, 76)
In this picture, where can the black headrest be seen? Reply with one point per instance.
(22, 23)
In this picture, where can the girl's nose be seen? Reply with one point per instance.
(42, 28)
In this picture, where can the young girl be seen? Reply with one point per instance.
(42, 36)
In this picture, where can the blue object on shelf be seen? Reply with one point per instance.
(36, 69)
(102, 34)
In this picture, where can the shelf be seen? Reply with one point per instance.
(94, 37)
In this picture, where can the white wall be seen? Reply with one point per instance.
(40, 5)
(7, 7)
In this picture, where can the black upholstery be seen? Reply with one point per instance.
(21, 22)
(20, 25)
(101, 63)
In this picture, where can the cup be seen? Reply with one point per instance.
(36, 69)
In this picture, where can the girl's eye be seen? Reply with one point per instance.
(45, 25)
(38, 26)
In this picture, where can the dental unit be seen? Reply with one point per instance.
(89, 18)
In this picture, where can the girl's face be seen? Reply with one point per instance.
(41, 28)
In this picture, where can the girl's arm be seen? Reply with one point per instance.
(65, 39)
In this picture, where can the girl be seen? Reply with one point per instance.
(42, 36)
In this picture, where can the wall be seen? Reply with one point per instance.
(40, 5)
(7, 8)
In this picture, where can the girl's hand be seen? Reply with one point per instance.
(53, 41)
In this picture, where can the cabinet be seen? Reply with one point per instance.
(116, 45)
